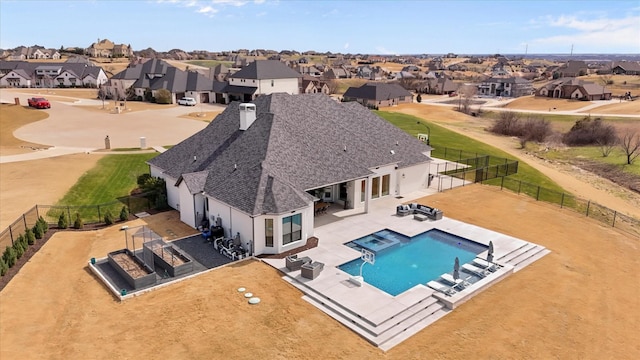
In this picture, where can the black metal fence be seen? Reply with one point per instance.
(582, 206)
(90, 214)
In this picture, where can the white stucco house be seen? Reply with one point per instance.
(16, 78)
(51, 74)
(261, 167)
(263, 77)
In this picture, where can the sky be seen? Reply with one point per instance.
(349, 26)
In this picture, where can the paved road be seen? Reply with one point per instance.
(70, 129)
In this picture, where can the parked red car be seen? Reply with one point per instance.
(39, 103)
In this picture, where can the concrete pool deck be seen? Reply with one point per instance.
(382, 319)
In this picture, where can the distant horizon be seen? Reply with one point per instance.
(355, 27)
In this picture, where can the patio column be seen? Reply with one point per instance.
(367, 194)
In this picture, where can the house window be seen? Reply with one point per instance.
(268, 232)
(363, 190)
(375, 188)
(291, 229)
(385, 184)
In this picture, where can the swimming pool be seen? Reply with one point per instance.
(410, 261)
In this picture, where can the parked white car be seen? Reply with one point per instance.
(188, 101)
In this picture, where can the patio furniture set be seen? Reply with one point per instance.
(420, 212)
(308, 269)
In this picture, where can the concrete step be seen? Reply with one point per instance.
(533, 258)
(509, 256)
(523, 255)
(413, 329)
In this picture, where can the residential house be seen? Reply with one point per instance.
(626, 68)
(573, 68)
(50, 74)
(570, 88)
(507, 87)
(310, 70)
(439, 85)
(311, 85)
(16, 78)
(260, 168)
(147, 78)
(34, 52)
(106, 48)
(263, 77)
(377, 94)
(411, 68)
(337, 73)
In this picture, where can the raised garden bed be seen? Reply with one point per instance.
(134, 271)
(169, 257)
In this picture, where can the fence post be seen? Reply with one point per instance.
(69, 212)
(24, 220)
(99, 217)
(613, 224)
(538, 194)
(502, 183)
(11, 235)
(37, 212)
(519, 186)
(562, 201)
(588, 205)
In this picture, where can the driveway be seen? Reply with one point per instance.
(70, 126)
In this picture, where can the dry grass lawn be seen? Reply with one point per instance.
(110, 106)
(579, 302)
(12, 117)
(544, 104)
(627, 107)
(206, 116)
(69, 95)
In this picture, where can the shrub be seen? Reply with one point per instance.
(142, 179)
(37, 231)
(43, 224)
(30, 237)
(63, 222)
(419, 98)
(163, 96)
(108, 217)
(124, 214)
(508, 123)
(536, 129)
(9, 256)
(18, 247)
(590, 132)
(78, 224)
(3, 267)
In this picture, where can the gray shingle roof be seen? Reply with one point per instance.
(377, 91)
(174, 80)
(297, 143)
(266, 69)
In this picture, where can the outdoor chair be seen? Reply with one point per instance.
(294, 263)
(403, 210)
(485, 264)
(311, 270)
(476, 270)
(447, 290)
(456, 283)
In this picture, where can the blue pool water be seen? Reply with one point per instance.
(410, 261)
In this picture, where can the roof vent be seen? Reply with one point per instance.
(247, 115)
(345, 148)
(194, 158)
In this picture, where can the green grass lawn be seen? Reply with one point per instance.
(114, 176)
(593, 153)
(442, 138)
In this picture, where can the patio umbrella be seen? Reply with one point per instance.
(490, 252)
(456, 269)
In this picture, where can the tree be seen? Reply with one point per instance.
(466, 93)
(102, 94)
(332, 85)
(630, 144)
(124, 214)
(63, 222)
(604, 81)
(78, 223)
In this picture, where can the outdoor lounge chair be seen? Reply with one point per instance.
(447, 290)
(485, 264)
(403, 210)
(294, 263)
(311, 270)
(476, 270)
(455, 283)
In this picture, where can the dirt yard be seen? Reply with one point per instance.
(542, 103)
(579, 302)
(626, 107)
